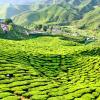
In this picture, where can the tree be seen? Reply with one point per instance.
(40, 27)
(8, 21)
(36, 27)
(45, 28)
(82, 27)
(51, 28)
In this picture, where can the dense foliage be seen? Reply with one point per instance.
(49, 68)
(55, 56)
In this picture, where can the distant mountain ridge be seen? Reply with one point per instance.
(51, 11)
(10, 10)
(51, 14)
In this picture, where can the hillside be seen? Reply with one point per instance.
(59, 59)
(59, 12)
(51, 14)
(10, 10)
(16, 33)
(49, 11)
(83, 6)
(91, 20)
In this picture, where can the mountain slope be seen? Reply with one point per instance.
(83, 6)
(54, 13)
(91, 19)
(10, 10)
(50, 11)
(57, 11)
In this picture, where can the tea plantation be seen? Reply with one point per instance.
(49, 68)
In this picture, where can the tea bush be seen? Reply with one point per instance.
(49, 68)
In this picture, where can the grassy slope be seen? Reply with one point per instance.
(49, 68)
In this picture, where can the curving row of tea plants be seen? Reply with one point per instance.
(49, 68)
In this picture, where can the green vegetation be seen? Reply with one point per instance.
(53, 14)
(91, 19)
(49, 68)
(8, 21)
(15, 32)
(55, 56)
(62, 12)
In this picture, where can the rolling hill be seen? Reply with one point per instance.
(51, 11)
(48, 66)
(62, 11)
(91, 19)
(51, 14)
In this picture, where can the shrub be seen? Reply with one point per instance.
(11, 98)
(4, 94)
(39, 97)
(87, 97)
(98, 98)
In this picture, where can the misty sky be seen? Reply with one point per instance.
(16, 1)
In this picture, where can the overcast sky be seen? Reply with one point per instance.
(16, 1)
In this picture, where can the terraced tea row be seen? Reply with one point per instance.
(47, 68)
(75, 79)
